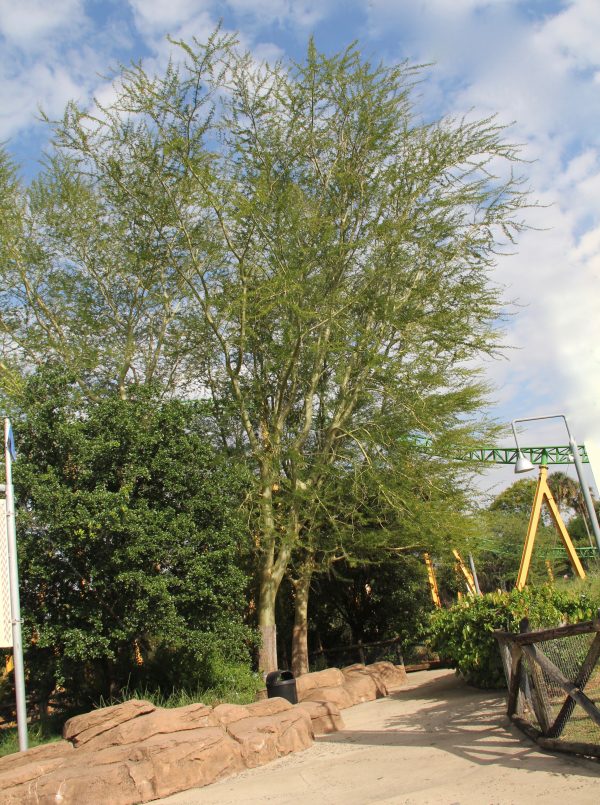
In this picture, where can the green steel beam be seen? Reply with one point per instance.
(537, 455)
(549, 454)
(584, 552)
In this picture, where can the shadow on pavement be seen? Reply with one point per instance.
(468, 723)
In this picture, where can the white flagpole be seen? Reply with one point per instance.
(15, 604)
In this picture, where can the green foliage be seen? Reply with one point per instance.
(516, 498)
(371, 602)
(235, 684)
(297, 240)
(9, 739)
(131, 543)
(463, 633)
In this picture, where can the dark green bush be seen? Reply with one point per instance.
(463, 634)
(132, 545)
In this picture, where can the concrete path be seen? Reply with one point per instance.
(437, 742)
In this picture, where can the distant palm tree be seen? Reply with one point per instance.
(566, 492)
(568, 495)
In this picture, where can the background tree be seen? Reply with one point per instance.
(499, 548)
(131, 544)
(380, 514)
(370, 602)
(318, 256)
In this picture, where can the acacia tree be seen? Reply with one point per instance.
(379, 515)
(332, 253)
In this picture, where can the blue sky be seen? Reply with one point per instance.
(536, 63)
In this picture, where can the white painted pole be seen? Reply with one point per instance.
(15, 604)
(586, 490)
(474, 572)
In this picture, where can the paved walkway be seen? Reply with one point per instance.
(437, 742)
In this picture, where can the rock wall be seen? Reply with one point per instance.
(135, 752)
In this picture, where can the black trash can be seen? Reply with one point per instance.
(282, 683)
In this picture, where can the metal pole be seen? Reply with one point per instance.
(15, 604)
(474, 572)
(585, 489)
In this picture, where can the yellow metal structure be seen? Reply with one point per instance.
(466, 572)
(542, 493)
(435, 593)
(8, 665)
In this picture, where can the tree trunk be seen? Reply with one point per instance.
(300, 633)
(267, 655)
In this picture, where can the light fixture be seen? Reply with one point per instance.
(523, 464)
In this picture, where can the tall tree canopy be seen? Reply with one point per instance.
(291, 239)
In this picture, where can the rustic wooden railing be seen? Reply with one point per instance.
(363, 652)
(537, 684)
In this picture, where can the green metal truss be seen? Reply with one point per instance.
(549, 454)
(537, 455)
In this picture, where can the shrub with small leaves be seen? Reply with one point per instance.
(464, 635)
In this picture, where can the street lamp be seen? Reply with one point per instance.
(524, 465)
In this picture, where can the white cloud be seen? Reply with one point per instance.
(539, 70)
(165, 16)
(304, 14)
(30, 24)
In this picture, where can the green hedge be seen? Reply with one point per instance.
(463, 635)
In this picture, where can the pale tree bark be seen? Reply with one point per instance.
(300, 632)
(274, 559)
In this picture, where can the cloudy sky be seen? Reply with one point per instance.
(536, 63)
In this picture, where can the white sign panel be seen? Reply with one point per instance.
(6, 638)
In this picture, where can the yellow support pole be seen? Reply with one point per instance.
(534, 519)
(466, 572)
(435, 593)
(542, 492)
(564, 535)
(8, 665)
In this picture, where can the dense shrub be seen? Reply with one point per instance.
(464, 636)
(131, 545)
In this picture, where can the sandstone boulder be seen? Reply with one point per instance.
(394, 676)
(161, 721)
(325, 716)
(22, 767)
(337, 695)
(126, 775)
(330, 677)
(229, 713)
(81, 729)
(358, 670)
(360, 687)
(264, 738)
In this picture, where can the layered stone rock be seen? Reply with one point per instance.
(394, 676)
(325, 716)
(135, 752)
(330, 677)
(134, 773)
(83, 728)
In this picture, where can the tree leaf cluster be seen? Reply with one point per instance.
(132, 546)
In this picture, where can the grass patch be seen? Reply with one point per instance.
(181, 698)
(235, 684)
(9, 739)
